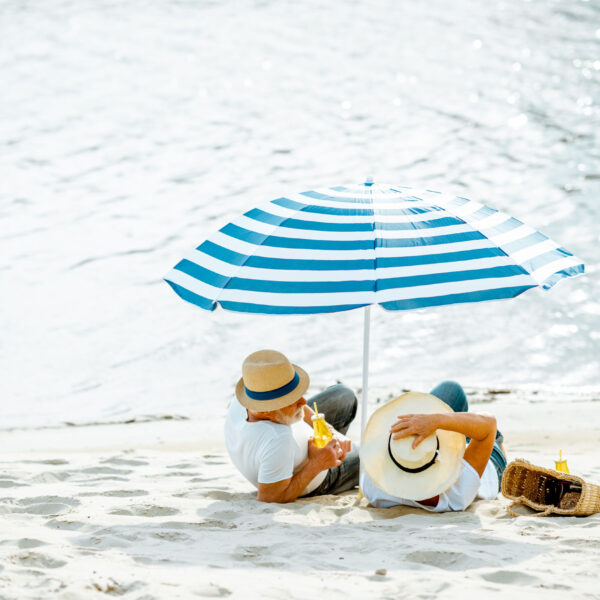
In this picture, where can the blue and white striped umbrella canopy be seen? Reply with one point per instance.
(345, 247)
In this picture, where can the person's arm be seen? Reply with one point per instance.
(480, 428)
(319, 459)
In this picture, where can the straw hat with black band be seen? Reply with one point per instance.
(405, 472)
(270, 382)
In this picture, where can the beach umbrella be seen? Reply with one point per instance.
(348, 247)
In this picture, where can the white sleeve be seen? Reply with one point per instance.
(276, 459)
(464, 491)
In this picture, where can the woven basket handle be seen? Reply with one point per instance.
(544, 513)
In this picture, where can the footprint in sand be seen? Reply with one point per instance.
(587, 525)
(250, 552)
(8, 483)
(48, 509)
(192, 493)
(256, 556)
(205, 524)
(40, 499)
(114, 537)
(212, 590)
(214, 459)
(106, 471)
(30, 543)
(117, 493)
(221, 495)
(580, 543)
(183, 525)
(50, 477)
(482, 540)
(146, 510)
(35, 559)
(48, 506)
(112, 587)
(96, 480)
(66, 525)
(172, 536)
(49, 461)
(227, 515)
(511, 577)
(128, 462)
(218, 524)
(449, 561)
(124, 493)
(151, 560)
(178, 474)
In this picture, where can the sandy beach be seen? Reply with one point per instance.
(131, 132)
(155, 510)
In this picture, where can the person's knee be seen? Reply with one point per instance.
(452, 393)
(345, 395)
(452, 386)
(344, 392)
(349, 396)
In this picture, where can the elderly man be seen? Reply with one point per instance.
(268, 432)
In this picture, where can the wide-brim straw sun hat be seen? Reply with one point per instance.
(398, 469)
(270, 381)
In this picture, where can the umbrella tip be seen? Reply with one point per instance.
(369, 180)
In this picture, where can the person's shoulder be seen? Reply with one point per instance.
(236, 412)
(275, 431)
(268, 432)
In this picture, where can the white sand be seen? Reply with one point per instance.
(155, 510)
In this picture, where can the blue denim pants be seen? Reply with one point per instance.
(454, 396)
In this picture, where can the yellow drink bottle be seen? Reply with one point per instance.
(561, 465)
(322, 434)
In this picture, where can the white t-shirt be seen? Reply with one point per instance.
(468, 486)
(267, 452)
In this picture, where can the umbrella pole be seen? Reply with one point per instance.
(365, 382)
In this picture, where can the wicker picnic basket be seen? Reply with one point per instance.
(547, 491)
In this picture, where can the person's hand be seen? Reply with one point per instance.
(345, 445)
(330, 456)
(421, 426)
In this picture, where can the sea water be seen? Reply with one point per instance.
(130, 131)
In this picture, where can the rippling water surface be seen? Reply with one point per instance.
(132, 130)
